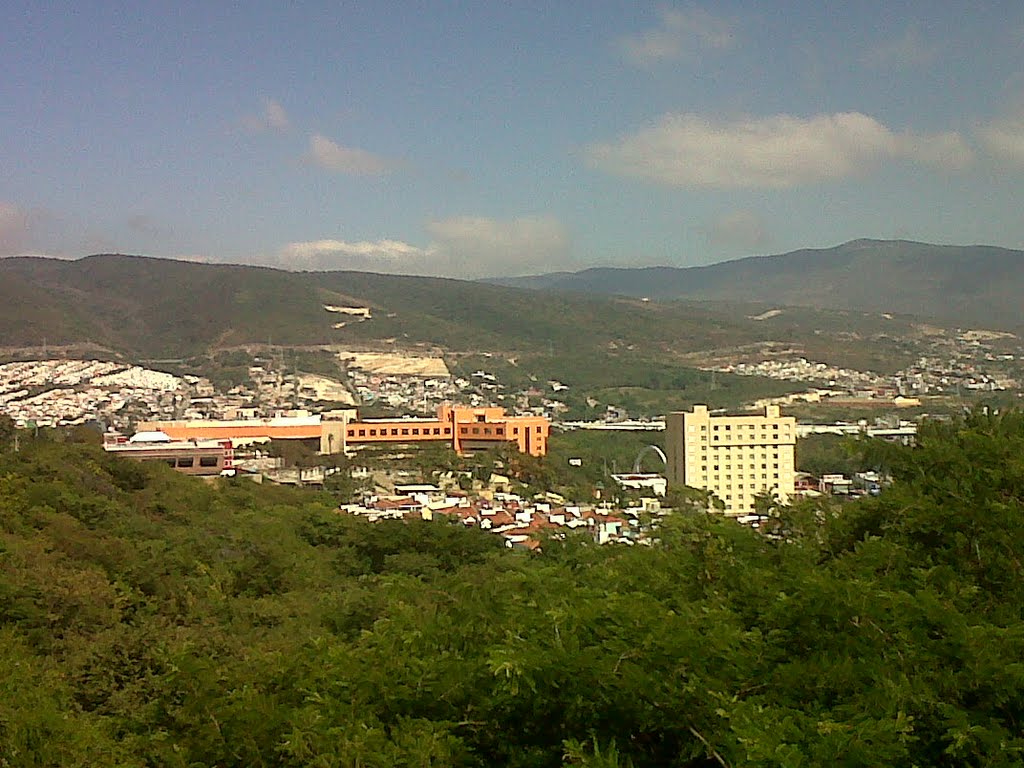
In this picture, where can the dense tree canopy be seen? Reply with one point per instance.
(152, 619)
(827, 454)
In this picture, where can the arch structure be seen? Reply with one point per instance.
(638, 463)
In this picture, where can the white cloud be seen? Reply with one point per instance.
(680, 33)
(273, 118)
(478, 246)
(14, 228)
(741, 230)
(350, 160)
(779, 151)
(314, 254)
(1004, 139)
(946, 151)
(907, 51)
(465, 246)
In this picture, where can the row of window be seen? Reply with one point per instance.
(739, 459)
(762, 440)
(739, 427)
(753, 487)
(486, 430)
(728, 427)
(396, 431)
(749, 450)
(188, 462)
(764, 465)
(730, 478)
(497, 430)
(416, 431)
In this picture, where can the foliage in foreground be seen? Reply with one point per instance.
(149, 619)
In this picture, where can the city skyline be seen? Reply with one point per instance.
(493, 140)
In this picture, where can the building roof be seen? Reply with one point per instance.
(164, 446)
(294, 428)
(400, 503)
(154, 436)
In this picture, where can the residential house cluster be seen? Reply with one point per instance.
(948, 362)
(407, 392)
(801, 369)
(67, 392)
(520, 522)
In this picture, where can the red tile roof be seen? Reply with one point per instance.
(401, 503)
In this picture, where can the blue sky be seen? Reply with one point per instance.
(486, 138)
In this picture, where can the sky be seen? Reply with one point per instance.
(474, 139)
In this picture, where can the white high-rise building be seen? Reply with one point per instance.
(736, 457)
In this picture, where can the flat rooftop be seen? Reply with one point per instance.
(174, 445)
(399, 420)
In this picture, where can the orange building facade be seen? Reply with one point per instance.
(465, 429)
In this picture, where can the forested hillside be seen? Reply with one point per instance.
(973, 284)
(147, 619)
(156, 308)
(160, 307)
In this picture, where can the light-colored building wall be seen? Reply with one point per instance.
(736, 457)
(190, 457)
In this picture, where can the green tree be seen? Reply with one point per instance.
(685, 498)
(7, 431)
(147, 618)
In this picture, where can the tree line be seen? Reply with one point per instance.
(149, 619)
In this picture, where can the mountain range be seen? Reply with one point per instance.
(150, 307)
(957, 284)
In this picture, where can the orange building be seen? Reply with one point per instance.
(465, 429)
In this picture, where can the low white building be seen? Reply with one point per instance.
(643, 481)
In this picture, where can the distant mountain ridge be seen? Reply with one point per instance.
(155, 307)
(973, 284)
(161, 308)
